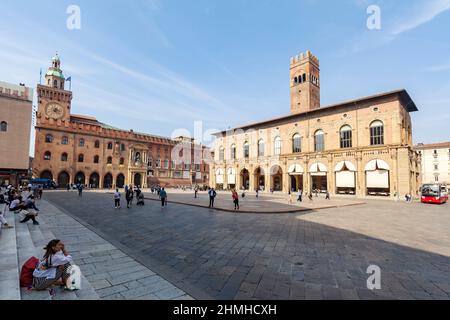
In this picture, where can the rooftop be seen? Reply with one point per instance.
(439, 145)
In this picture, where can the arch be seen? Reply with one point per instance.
(110, 145)
(3, 126)
(276, 178)
(245, 179)
(97, 144)
(109, 160)
(260, 179)
(80, 178)
(231, 177)
(122, 161)
(47, 156)
(296, 169)
(318, 167)
(296, 143)
(376, 164)
(319, 178)
(120, 180)
(138, 180)
(108, 181)
(345, 177)
(81, 157)
(63, 179)
(48, 138)
(65, 140)
(96, 159)
(64, 157)
(82, 142)
(296, 173)
(220, 176)
(94, 180)
(277, 146)
(46, 174)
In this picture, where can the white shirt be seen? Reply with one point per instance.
(56, 260)
(14, 204)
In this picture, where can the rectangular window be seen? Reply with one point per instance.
(197, 167)
(436, 167)
(158, 164)
(246, 151)
(173, 164)
(166, 164)
(319, 143)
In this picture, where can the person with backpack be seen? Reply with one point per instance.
(212, 196)
(53, 267)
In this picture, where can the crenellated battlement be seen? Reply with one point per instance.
(304, 57)
(16, 92)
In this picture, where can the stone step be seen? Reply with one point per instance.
(32, 239)
(9, 266)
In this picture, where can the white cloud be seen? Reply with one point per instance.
(425, 12)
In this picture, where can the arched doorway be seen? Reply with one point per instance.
(80, 178)
(245, 179)
(276, 178)
(260, 179)
(318, 172)
(377, 178)
(94, 181)
(46, 175)
(108, 181)
(63, 179)
(296, 177)
(120, 181)
(138, 180)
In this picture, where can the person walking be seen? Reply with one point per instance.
(117, 199)
(80, 190)
(235, 197)
(257, 192)
(195, 192)
(41, 191)
(299, 195)
(327, 197)
(290, 198)
(129, 197)
(212, 195)
(163, 196)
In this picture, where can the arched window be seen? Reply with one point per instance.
(221, 153)
(261, 146)
(82, 142)
(296, 143)
(3, 126)
(110, 145)
(97, 144)
(304, 77)
(96, 159)
(55, 83)
(246, 150)
(277, 146)
(48, 138)
(346, 136)
(295, 80)
(65, 140)
(64, 157)
(48, 156)
(319, 141)
(233, 152)
(122, 161)
(81, 158)
(109, 160)
(376, 133)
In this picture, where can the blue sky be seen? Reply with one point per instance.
(157, 66)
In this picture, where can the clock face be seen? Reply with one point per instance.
(54, 110)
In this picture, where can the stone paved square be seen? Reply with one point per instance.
(319, 254)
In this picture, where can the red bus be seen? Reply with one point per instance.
(434, 193)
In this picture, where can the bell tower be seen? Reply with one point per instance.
(305, 83)
(54, 102)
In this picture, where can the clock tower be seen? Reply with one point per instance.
(54, 101)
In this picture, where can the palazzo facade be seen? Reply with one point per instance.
(71, 149)
(361, 147)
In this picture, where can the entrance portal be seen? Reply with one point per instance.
(245, 179)
(138, 180)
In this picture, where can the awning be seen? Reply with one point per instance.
(219, 176)
(376, 164)
(318, 167)
(231, 176)
(377, 179)
(345, 179)
(344, 166)
(295, 169)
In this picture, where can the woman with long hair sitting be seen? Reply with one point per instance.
(52, 267)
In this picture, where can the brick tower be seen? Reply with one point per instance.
(305, 83)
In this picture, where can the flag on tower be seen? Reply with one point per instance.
(70, 79)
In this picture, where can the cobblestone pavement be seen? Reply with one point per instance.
(108, 272)
(314, 255)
